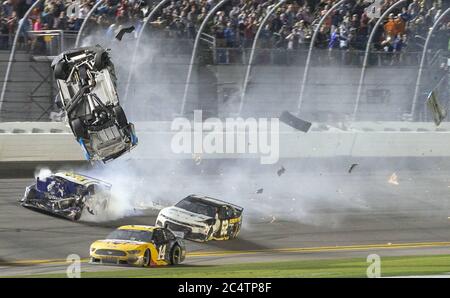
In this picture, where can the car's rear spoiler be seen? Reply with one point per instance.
(238, 208)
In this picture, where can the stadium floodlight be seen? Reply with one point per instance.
(366, 53)
(424, 56)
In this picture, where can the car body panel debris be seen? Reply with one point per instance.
(393, 179)
(202, 218)
(438, 112)
(144, 246)
(197, 159)
(281, 171)
(67, 195)
(352, 167)
(123, 31)
(295, 122)
(87, 86)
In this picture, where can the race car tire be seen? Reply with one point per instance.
(175, 256)
(77, 216)
(61, 71)
(78, 128)
(100, 60)
(120, 116)
(147, 258)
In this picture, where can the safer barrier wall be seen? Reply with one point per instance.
(54, 142)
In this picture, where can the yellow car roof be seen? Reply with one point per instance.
(137, 228)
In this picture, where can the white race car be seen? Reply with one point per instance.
(87, 90)
(201, 218)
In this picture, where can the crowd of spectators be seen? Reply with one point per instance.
(291, 25)
(235, 24)
(64, 15)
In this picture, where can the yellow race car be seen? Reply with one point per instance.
(139, 245)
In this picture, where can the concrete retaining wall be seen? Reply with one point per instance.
(54, 142)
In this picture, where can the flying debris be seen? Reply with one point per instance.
(393, 179)
(197, 159)
(273, 219)
(352, 167)
(260, 191)
(439, 113)
(294, 121)
(281, 171)
(123, 31)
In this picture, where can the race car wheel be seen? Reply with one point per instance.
(77, 216)
(61, 71)
(100, 60)
(120, 116)
(147, 259)
(78, 128)
(175, 257)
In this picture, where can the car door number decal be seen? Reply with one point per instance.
(162, 252)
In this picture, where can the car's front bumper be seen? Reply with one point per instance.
(135, 260)
(189, 232)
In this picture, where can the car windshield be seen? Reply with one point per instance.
(133, 235)
(197, 206)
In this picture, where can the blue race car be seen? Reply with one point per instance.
(67, 195)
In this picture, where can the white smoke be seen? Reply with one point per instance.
(42, 173)
(303, 195)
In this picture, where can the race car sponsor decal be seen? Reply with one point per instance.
(75, 176)
(235, 220)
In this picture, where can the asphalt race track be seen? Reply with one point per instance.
(354, 215)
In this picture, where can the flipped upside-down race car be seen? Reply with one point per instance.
(139, 245)
(87, 89)
(201, 218)
(67, 195)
